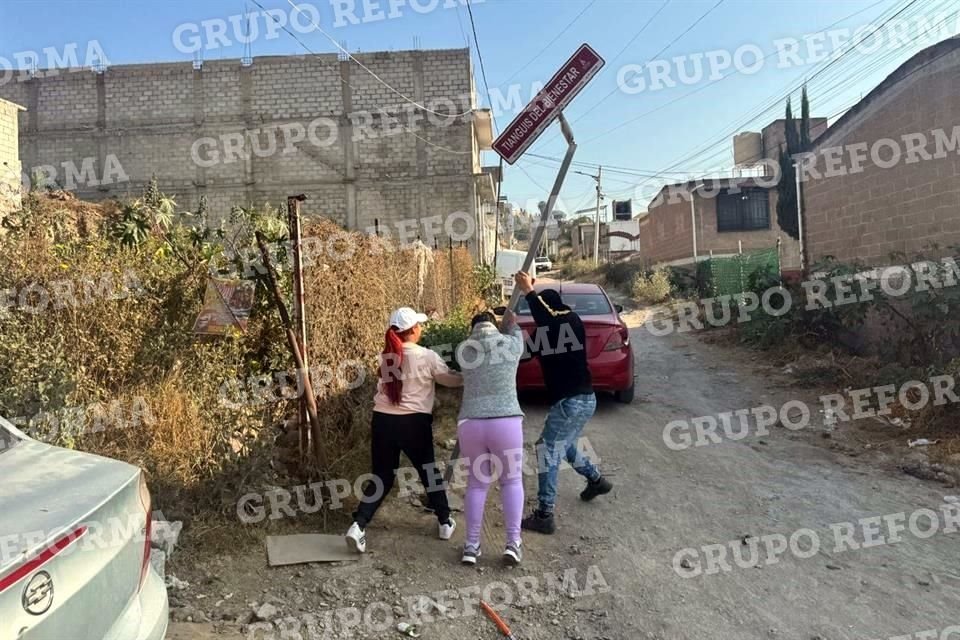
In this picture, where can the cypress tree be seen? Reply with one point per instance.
(804, 121)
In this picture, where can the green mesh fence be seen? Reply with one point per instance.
(729, 276)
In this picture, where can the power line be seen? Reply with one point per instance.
(721, 79)
(466, 40)
(855, 102)
(668, 45)
(777, 101)
(365, 68)
(548, 45)
(642, 29)
(660, 52)
(383, 111)
(483, 71)
(725, 137)
(910, 3)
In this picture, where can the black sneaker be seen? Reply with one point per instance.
(513, 554)
(600, 486)
(539, 522)
(470, 555)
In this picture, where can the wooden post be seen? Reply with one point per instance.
(740, 263)
(302, 375)
(296, 241)
(453, 293)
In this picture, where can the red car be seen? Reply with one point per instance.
(609, 352)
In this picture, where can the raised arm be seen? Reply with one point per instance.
(542, 314)
(511, 329)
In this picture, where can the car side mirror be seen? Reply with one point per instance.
(618, 307)
(500, 310)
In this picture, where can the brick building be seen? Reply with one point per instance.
(886, 176)
(10, 170)
(727, 213)
(731, 213)
(244, 134)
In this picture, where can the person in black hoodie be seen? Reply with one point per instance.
(563, 360)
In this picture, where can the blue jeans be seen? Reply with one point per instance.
(563, 427)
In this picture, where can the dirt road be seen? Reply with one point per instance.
(621, 550)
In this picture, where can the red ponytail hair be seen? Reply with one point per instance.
(391, 359)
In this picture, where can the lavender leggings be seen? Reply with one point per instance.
(493, 448)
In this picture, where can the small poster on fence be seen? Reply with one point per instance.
(226, 307)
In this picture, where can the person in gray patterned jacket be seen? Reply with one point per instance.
(490, 428)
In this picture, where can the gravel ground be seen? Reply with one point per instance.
(612, 570)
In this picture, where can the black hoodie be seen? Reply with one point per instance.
(561, 346)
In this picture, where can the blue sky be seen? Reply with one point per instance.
(523, 42)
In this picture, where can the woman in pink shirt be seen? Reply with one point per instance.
(403, 422)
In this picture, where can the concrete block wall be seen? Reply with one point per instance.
(10, 170)
(366, 167)
(905, 208)
(665, 233)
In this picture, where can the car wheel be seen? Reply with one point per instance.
(626, 395)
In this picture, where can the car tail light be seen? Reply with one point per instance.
(147, 530)
(618, 339)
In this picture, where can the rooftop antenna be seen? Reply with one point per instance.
(342, 54)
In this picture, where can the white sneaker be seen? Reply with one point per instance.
(470, 555)
(446, 530)
(356, 538)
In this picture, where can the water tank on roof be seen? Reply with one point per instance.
(747, 148)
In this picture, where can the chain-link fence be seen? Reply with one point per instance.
(732, 275)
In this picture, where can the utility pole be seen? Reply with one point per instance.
(596, 222)
(496, 229)
(596, 228)
(803, 262)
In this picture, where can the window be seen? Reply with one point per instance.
(744, 211)
(585, 304)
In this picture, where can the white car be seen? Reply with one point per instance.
(543, 263)
(74, 546)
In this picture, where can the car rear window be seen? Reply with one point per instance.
(585, 304)
(7, 440)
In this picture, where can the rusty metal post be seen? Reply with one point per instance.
(299, 315)
(453, 293)
(303, 379)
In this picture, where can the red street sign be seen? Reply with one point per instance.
(547, 105)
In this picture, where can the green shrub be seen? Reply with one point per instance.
(652, 288)
(576, 268)
(620, 274)
(447, 333)
(487, 284)
(683, 282)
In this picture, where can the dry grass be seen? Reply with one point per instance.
(348, 303)
(200, 454)
(651, 288)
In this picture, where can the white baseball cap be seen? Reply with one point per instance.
(406, 318)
